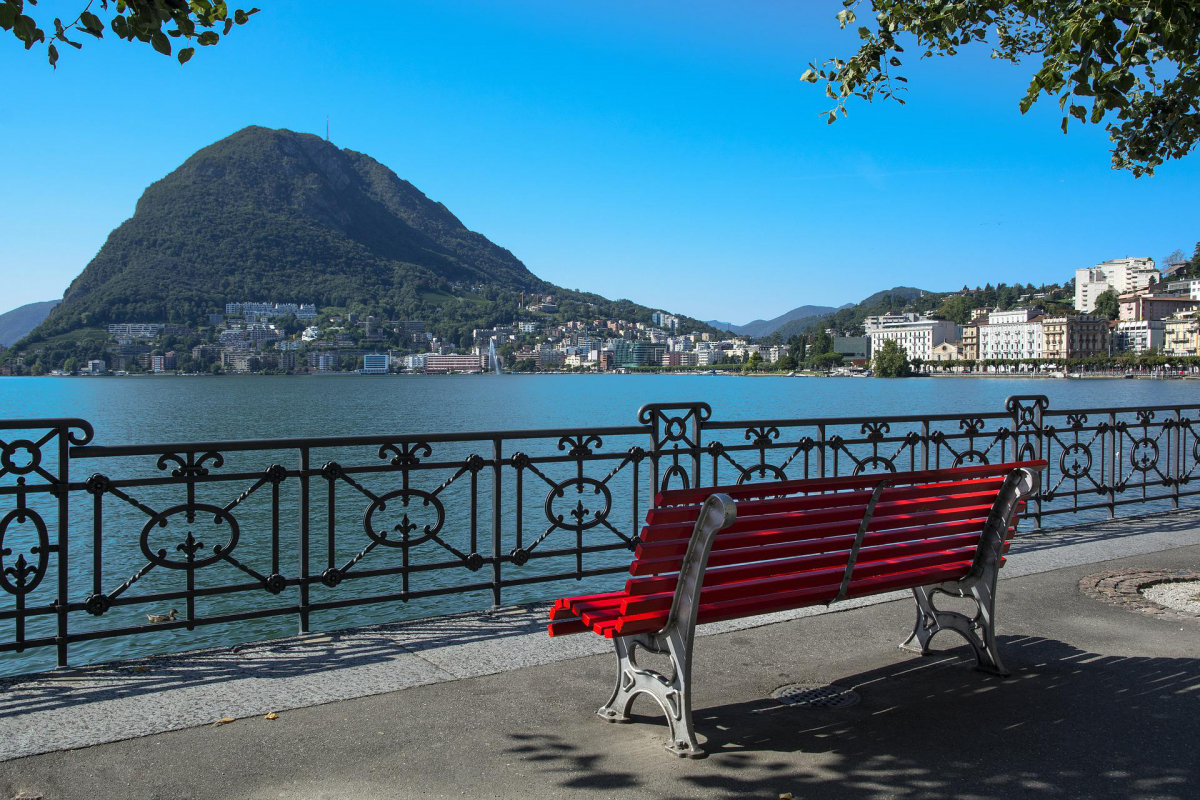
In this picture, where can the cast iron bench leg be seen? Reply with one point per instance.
(672, 694)
(979, 585)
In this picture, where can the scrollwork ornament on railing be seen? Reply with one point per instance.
(406, 454)
(584, 515)
(275, 474)
(406, 526)
(580, 444)
(762, 436)
(11, 462)
(1075, 461)
(190, 546)
(22, 576)
(971, 426)
(875, 430)
(190, 466)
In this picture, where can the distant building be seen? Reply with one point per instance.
(415, 361)
(680, 358)
(853, 348)
(437, 364)
(1075, 337)
(322, 360)
(375, 364)
(1136, 306)
(916, 335)
(1188, 288)
(96, 367)
(1122, 275)
(266, 310)
(636, 353)
(136, 330)
(1013, 334)
(947, 351)
(1138, 336)
(664, 320)
(1181, 335)
(970, 338)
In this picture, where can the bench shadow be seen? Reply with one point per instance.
(1066, 723)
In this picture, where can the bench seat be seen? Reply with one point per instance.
(721, 553)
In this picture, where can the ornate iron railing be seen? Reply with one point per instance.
(95, 538)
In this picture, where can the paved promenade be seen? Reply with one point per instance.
(1102, 702)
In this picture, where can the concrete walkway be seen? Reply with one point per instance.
(1103, 702)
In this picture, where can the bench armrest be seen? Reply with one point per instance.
(717, 514)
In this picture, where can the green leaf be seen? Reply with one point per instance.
(160, 42)
(208, 38)
(186, 54)
(8, 16)
(53, 53)
(91, 24)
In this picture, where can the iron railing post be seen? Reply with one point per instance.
(62, 493)
(497, 555)
(924, 444)
(1174, 464)
(303, 544)
(1113, 460)
(820, 450)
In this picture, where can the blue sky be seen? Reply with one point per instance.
(664, 152)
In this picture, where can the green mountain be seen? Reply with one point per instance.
(277, 215)
(15, 324)
(765, 327)
(898, 298)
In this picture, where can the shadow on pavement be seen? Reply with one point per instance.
(1066, 723)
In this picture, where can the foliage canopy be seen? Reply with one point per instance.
(148, 21)
(890, 361)
(1136, 63)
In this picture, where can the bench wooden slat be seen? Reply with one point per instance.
(752, 490)
(799, 598)
(826, 556)
(687, 514)
(778, 585)
(747, 539)
(720, 558)
(816, 516)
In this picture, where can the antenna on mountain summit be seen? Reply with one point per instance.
(327, 129)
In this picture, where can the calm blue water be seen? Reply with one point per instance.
(171, 409)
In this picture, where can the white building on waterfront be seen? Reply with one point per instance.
(1138, 336)
(1121, 275)
(1013, 334)
(916, 335)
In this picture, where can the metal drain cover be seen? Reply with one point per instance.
(816, 695)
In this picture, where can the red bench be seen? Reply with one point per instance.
(727, 552)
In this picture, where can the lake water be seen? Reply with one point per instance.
(147, 409)
(167, 408)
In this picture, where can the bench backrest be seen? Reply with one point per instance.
(798, 535)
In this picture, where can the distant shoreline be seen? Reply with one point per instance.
(730, 374)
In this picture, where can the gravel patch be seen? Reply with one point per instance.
(1179, 595)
